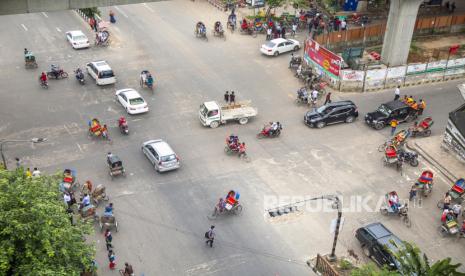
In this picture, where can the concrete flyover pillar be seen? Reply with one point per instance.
(399, 31)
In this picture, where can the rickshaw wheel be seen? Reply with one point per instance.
(440, 204)
(116, 225)
(383, 211)
(407, 221)
(238, 210)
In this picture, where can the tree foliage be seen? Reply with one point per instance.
(413, 262)
(273, 4)
(36, 234)
(371, 269)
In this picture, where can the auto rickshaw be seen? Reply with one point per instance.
(30, 60)
(115, 165)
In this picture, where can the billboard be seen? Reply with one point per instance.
(326, 60)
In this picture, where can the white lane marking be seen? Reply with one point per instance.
(122, 12)
(135, 120)
(79, 146)
(24, 27)
(45, 14)
(149, 8)
(58, 29)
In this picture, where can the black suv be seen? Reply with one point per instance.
(392, 110)
(336, 112)
(375, 238)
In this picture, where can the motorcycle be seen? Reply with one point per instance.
(267, 131)
(43, 84)
(409, 156)
(123, 127)
(59, 73)
(302, 96)
(79, 76)
(295, 61)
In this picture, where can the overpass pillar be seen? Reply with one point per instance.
(399, 31)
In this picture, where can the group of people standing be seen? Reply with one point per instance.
(230, 98)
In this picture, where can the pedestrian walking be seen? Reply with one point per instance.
(421, 107)
(112, 17)
(268, 33)
(111, 259)
(67, 199)
(232, 98)
(397, 93)
(328, 98)
(210, 236)
(28, 172)
(108, 244)
(413, 192)
(457, 209)
(283, 32)
(447, 201)
(226, 96)
(394, 124)
(92, 24)
(294, 28)
(35, 172)
(18, 162)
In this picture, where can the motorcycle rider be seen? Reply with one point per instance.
(232, 141)
(149, 80)
(79, 74)
(302, 94)
(122, 122)
(43, 78)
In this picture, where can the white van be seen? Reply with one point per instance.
(101, 72)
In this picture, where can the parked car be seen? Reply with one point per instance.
(101, 72)
(388, 111)
(132, 101)
(376, 241)
(332, 113)
(279, 45)
(160, 154)
(77, 39)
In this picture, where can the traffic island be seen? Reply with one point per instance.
(325, 266)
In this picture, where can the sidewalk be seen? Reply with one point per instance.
(431, 150)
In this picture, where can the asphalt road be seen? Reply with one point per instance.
(163, 217)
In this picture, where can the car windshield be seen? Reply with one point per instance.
(322, 109)
(384, 109)
(203, 110)
(136, 101)
(79, 37)
(168, 158)
(106, 74)
(270, 44)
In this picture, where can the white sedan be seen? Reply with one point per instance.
(77, 39)
(279, 45)
(132, 101)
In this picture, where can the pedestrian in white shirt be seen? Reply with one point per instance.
(397, 93)
(35, 173)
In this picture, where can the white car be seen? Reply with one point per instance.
(160, 154)
(77, 39)
(101, 72)
(279, 45)
(132, 101)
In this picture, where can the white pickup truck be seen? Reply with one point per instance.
(212, 114)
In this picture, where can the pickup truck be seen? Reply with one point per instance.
(212, 114)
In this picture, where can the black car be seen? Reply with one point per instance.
(387, 112)
(336, 112)
(377, 243)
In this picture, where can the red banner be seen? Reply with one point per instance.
(327, 60)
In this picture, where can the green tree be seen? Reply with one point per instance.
(36, 234)
(413, 262)
(273, 4)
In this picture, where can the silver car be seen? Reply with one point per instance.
(160, 154)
